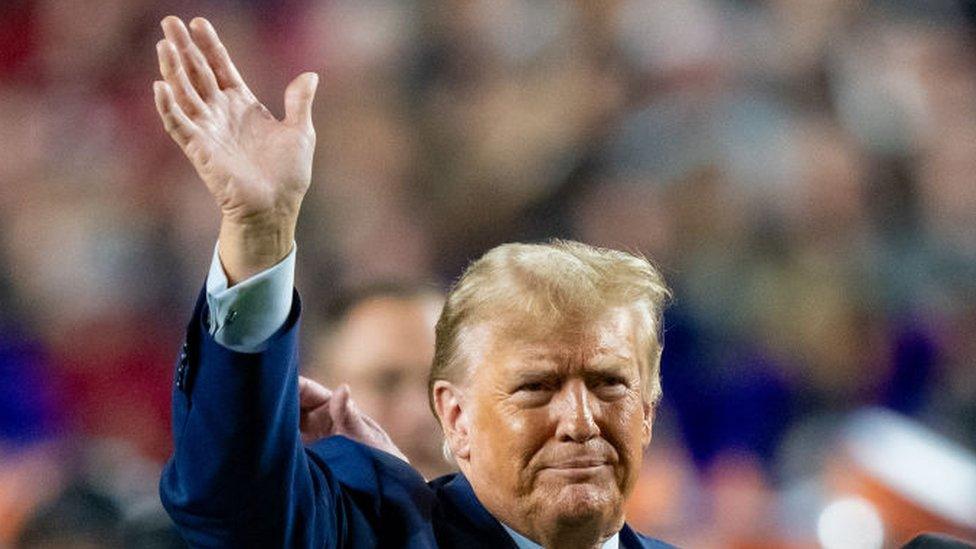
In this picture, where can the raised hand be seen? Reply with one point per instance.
(325, 413)
(256, 167)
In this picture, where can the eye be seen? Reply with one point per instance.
(611, 381)
(532, 387)
(532, 393)
(619, 381)
(609, 386)
(389, 381)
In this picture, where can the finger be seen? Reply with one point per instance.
(177, 124)
(374, 430)
(311, 394)
(316, 424)
(363, 427)
(298, 99)
(339, 408)
(317, 421)
(355, 419)
(194, 63)
(216, 54)
(355, 423)
(172, 70)
(371, 423)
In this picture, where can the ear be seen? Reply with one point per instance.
(650, 403)
(648, 423)
(449, 403)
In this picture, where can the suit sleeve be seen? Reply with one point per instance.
(239, 475)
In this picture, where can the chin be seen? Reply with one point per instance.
(582, 502)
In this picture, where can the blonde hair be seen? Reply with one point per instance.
(519, 287)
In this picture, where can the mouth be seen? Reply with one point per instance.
(578, 467)
(578, 463)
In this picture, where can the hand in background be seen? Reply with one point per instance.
(325, 413)
(256, 167)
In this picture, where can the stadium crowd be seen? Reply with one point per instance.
(804, 172)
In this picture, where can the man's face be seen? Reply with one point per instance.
(383, 350)
(558, 423)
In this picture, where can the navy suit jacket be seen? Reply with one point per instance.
(240, 476)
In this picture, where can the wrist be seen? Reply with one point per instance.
(246, 249)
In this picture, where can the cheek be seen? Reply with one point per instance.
(624, 430)
(510, 436)
(624, 415)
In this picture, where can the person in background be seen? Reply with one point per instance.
(379, 339)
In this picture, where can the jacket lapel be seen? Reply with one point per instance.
(467, 509)
(631, 540)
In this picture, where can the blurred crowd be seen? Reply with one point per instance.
(803, 171)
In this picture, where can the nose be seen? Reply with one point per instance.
(575, 413)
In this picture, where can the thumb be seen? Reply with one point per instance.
(298, 99)
(338, 407)
(315, 424)
(311, 394)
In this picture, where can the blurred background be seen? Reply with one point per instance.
(804, 172)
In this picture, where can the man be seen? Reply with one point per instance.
(544, 377)
(379, 339)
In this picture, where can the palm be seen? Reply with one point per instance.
(252, 163)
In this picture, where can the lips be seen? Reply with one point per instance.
(578, 463)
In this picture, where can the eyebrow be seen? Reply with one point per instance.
(552, 376)
(521, 378)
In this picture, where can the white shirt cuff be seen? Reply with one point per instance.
(243, 318)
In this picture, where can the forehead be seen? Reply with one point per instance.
(608, 340)
(391, 313)
(385, 332)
